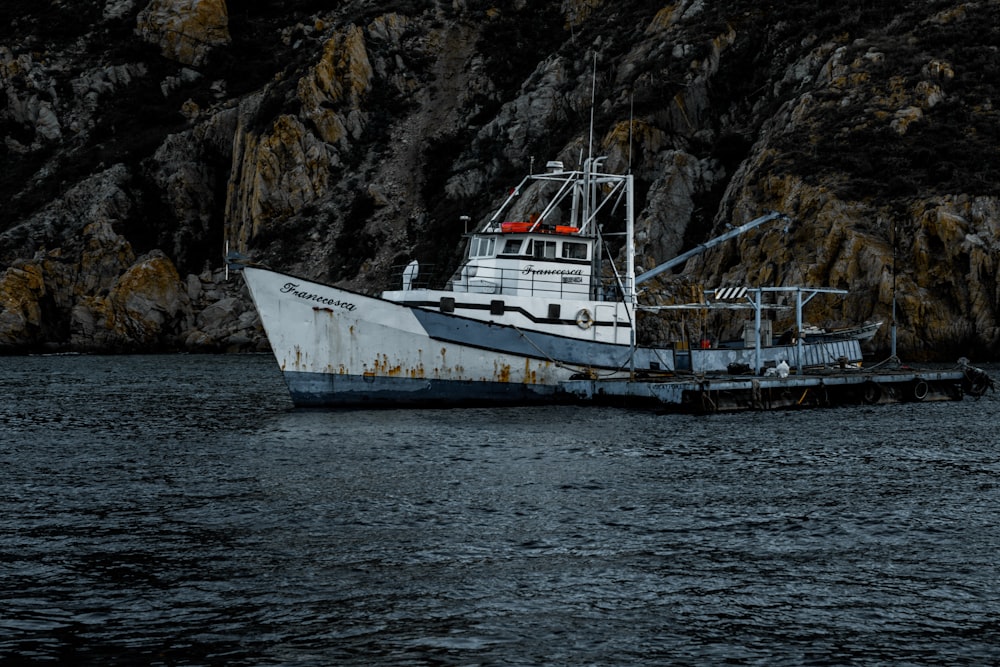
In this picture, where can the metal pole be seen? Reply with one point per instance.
(756, 350)
(798, 330)
(630, 298)
(892, 327)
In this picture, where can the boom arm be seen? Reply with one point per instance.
(700, 248)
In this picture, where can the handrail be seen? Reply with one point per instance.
(516, 282)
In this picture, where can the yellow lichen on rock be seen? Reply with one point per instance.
(21, 288)
(903, 118)
(106, 255)
(389, 27)
(292, 163)
(146, 299)
(636, 136)
(337, 84)
(939, 69)
(578, 11)
(276, 173)
(279, 171)
(142, 310)
(185, 30)
(344, 72)
(664, 19)
(951, 15)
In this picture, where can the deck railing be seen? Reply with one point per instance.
(489, 280)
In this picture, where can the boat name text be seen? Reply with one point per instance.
(293, 289)
(530, 270)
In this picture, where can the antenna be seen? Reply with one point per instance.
(593, 101)
(631, 117)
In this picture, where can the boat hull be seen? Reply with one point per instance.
(340, 348)
(312, 389)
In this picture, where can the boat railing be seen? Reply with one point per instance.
(423, 276)
(527, 281)
(572, 283)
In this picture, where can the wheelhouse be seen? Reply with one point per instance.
(539, 263)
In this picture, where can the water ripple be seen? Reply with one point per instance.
(178, 511)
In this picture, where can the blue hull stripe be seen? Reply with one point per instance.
(459, 306)
(609, 356)
(510, 340)
(322, 389)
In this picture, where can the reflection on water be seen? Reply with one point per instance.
(176, 510)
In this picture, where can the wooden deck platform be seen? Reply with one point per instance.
(727, 393)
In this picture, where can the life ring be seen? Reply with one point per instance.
(584, 319)
(919, 390)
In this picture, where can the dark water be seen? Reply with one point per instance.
(176, 511)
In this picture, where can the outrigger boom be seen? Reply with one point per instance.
(702, 247)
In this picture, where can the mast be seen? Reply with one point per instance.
(630, 292)
(892, 321)
(630, 296)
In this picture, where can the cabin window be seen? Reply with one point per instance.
(542, 249)
(574, 250)
(483, 246)
(512, 247)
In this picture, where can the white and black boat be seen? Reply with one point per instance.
(532, 305)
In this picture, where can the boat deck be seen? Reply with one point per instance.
(727, 393)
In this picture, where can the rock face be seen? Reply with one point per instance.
(185, 30)
(90, 292)
(144, 137)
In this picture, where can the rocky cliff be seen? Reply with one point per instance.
(341, 140)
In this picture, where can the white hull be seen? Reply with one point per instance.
(341, 348)
(337, 347)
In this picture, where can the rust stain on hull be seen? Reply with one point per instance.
(501, 372)
(383, 367)
(298, 363)
(530, 377)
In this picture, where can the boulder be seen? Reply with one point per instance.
(21, 288)
(146, 309)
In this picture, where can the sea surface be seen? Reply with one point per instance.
(175, 510)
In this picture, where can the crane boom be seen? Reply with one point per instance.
(702, 247)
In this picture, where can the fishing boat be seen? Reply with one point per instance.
(536, 302)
